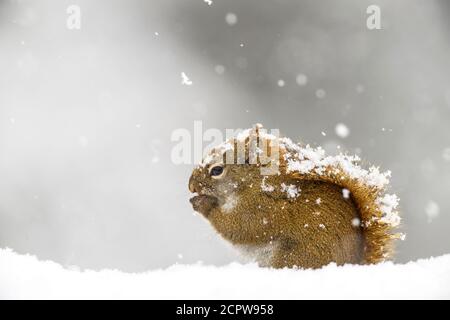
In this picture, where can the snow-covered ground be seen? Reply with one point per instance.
(25, 277)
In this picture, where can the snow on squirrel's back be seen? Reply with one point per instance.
(25, 277)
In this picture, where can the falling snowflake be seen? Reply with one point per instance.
(220, 69)
(320, 93)
(208, 2)
(356, 222)
(231, 19)
(185, 79)
(342, 130)
(432, 210)
(446, 154)
(155, 159)
(83, 141)
(360, 88)
(301, 79)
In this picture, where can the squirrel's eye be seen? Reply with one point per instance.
(216, 171)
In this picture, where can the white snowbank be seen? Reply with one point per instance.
(24, 276)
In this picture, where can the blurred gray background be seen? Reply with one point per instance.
(86, 116)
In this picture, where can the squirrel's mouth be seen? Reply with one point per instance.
(203, 203)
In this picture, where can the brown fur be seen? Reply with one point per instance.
(302, 231)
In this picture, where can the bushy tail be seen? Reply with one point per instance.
(377, 209)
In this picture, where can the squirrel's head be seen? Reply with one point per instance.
(231, 181)
(219, 185)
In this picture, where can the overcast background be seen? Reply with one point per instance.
(86, 115)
